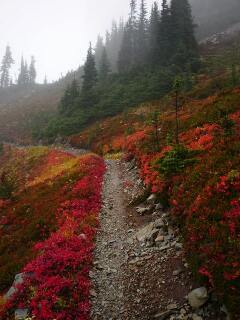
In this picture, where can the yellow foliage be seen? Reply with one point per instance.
(53, 171)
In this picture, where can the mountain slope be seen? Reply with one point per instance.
(213, 16)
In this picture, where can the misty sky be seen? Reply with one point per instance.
(56, 32)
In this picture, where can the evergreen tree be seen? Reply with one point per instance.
(23, 78)
(154, 47)
(183, 41)
(128, 52)
(165, 32)
(7, 62)
(45, 81)
(113, 44)
(32, 71)
(125, 53)
(104, 68)
(99, 51)
(88, 97)
(142, 35)
(68, 102)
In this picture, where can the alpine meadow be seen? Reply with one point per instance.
(120, 160)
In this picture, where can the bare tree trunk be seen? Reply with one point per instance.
(177, 121)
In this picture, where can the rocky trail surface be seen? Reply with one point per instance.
(140, 271)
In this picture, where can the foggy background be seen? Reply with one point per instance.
(56, 32)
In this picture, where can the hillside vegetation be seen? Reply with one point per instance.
(167, 105)
(49, 202)
(198, 177)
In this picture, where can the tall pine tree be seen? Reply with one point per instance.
(154, 47)
(128, 52)
(125, 53)
(88, 96)
(165, 34)
(5, 68)
(99, 51)
(68, 102)
(104, 68)
(183, 41)
(113, 44)
(142, 36)
(23, 77)
(32, 71)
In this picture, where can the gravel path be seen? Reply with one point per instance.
(134, 279)
(107, 296)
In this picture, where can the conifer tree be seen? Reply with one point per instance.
(88, 97)
(183, 39)
(7, 62)
(141, 53)
(23, 78)
(32, 71)
(154, 48)
(113, 44)
(68, 102)
(165, 32)
(99, 51)
(128, 52)
(104, 68)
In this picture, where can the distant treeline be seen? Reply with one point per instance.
(27, 74)
(137, 62)
(164, 37)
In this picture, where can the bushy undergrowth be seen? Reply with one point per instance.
(47, 229)
(200, 180)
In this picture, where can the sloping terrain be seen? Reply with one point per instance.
(198, 178)
(23, 109)
(214, 16)
(49, 205)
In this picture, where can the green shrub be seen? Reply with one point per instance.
(176, 160)
(7, 186)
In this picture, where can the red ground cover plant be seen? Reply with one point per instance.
(57, 280)
(204, 195)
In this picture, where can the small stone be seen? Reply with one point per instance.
(159, 239)
(151, 199)
(163, 248)
(21, 314)
(93, 293)
(19, 279)
(143, 210)
(172, 306)
(159, 223)
(146, 233)
(159, 206)
(224, 310)
(198, 297)
(183, 311)
(178, 246)
(177, 272)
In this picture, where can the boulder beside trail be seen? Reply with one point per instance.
(198, 297)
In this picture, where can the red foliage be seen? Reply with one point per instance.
(59, 285)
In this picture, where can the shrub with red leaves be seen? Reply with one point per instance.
(59, 285)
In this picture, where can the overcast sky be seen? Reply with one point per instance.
(56, 32)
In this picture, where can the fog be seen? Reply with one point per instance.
(56, 32)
